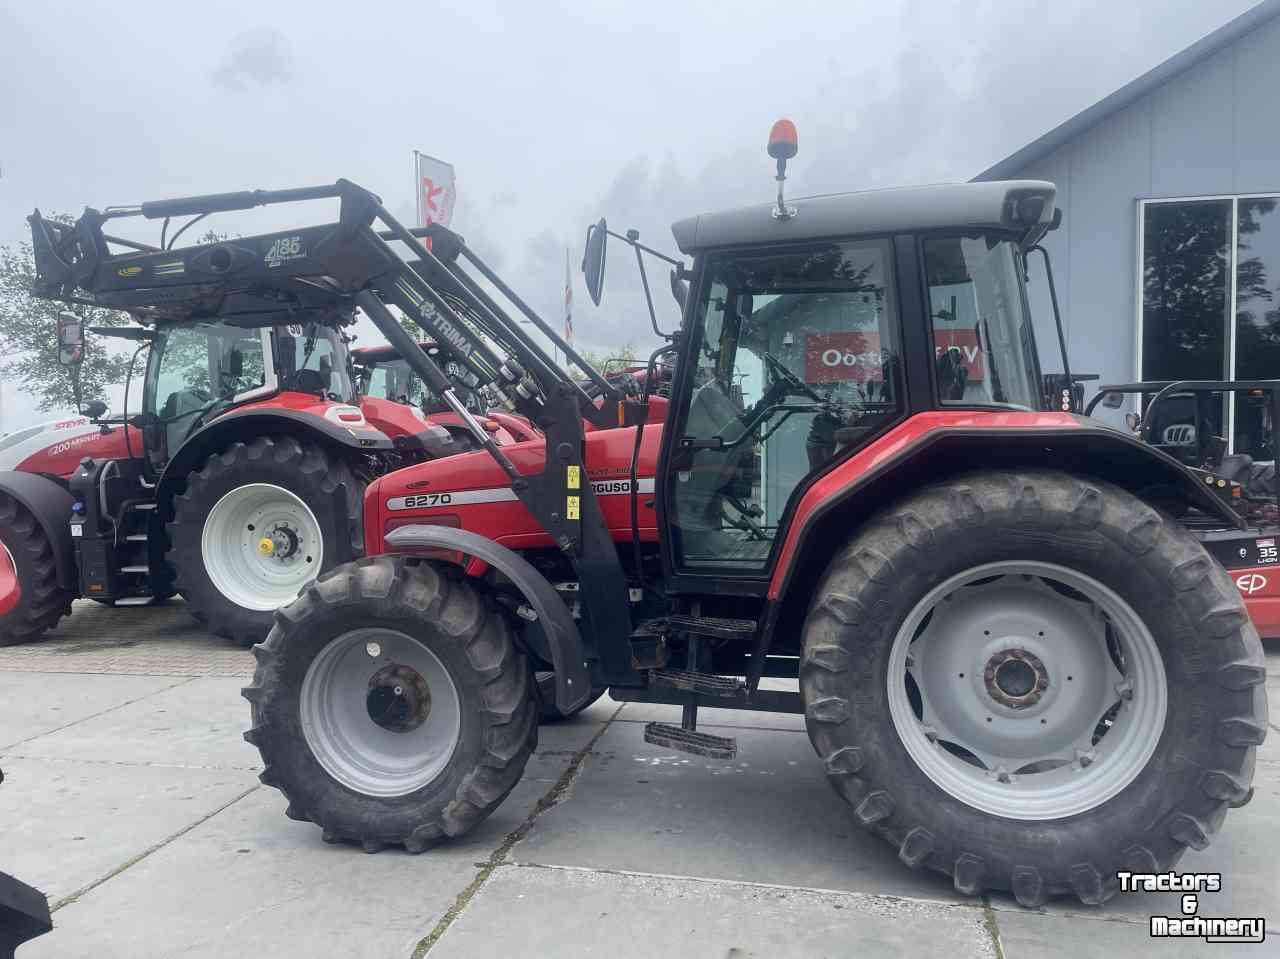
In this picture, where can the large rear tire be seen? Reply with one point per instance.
(31, 601)
(391, 705)
(1031, 681)
(254, 526)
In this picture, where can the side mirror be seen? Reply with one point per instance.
(70, 339)
(1113, 401)
(593, 259)
(95, 409)
(679, 289)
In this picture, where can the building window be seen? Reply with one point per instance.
(1210, 272)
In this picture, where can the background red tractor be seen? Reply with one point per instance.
(237, 480)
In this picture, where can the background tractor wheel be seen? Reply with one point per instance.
(391, 706)
(31, 601)
(548, 710)
(1031, 681)
(256, 524)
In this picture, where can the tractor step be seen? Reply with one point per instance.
(136, 537)
(135, 600)
(142, 506)
(709, 684)
(143, 568)
(690, 741)
(717, 627)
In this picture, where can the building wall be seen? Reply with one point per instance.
(1214, 129)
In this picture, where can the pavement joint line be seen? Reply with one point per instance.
(129, 863)
(992, 925)
(747, 884)
(101, 712)
(550, 799)
(124, 762)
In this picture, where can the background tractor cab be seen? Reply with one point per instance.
(390, 391)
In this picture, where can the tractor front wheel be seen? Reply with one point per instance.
(257, 523)
(391, 705)
(1031, 681)
(31, 601)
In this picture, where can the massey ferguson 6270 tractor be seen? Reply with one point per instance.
(237, 481)
(1014, 664)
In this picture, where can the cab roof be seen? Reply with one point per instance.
(991, 205)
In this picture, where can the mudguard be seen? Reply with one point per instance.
(24, 914)
(246, 424)
(50, 504)
(573, 680)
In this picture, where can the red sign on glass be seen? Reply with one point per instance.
(856, 357)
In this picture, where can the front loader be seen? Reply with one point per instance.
(1015, 668)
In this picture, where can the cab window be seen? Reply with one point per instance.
(797, 361)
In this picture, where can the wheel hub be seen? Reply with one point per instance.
(399, 699)
(1015, 678)
(280, 544)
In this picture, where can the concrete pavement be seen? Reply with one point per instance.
(131, 800)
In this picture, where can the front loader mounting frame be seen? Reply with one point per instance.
(281, 277)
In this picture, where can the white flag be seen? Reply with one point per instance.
(435, 190)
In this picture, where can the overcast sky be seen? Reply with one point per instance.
(552, 113)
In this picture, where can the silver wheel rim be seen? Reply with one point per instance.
(1027, 690)
(236, 559)
(380, 712)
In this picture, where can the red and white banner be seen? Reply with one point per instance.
(839, 357)
(435, 190)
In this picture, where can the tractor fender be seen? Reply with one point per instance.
(244, 425)
(50, 504)
(857, 489)
(573, 680)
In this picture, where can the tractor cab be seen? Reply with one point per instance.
(383, 373)
(199, 370)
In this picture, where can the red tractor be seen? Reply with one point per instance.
(1013, 663)
(239, 478)
(387, 385)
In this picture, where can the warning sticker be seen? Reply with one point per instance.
(571, 507)
(574, 478)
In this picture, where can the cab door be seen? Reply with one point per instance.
(793, 360)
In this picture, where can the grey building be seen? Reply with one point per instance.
(1168, 259)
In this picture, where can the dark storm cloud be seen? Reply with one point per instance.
(258, 57)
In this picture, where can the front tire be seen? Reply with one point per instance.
(31, 601)
(1028, 682)
(277, 491)
(391, 705)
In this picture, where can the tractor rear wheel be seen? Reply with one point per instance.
(1031, 681)
(256, 524)
(31, 601)
(391, 705)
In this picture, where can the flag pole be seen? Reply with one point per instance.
(417, 187)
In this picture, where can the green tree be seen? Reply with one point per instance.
(28, 338)
(619, 357)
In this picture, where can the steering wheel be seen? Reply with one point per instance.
(796, 384)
